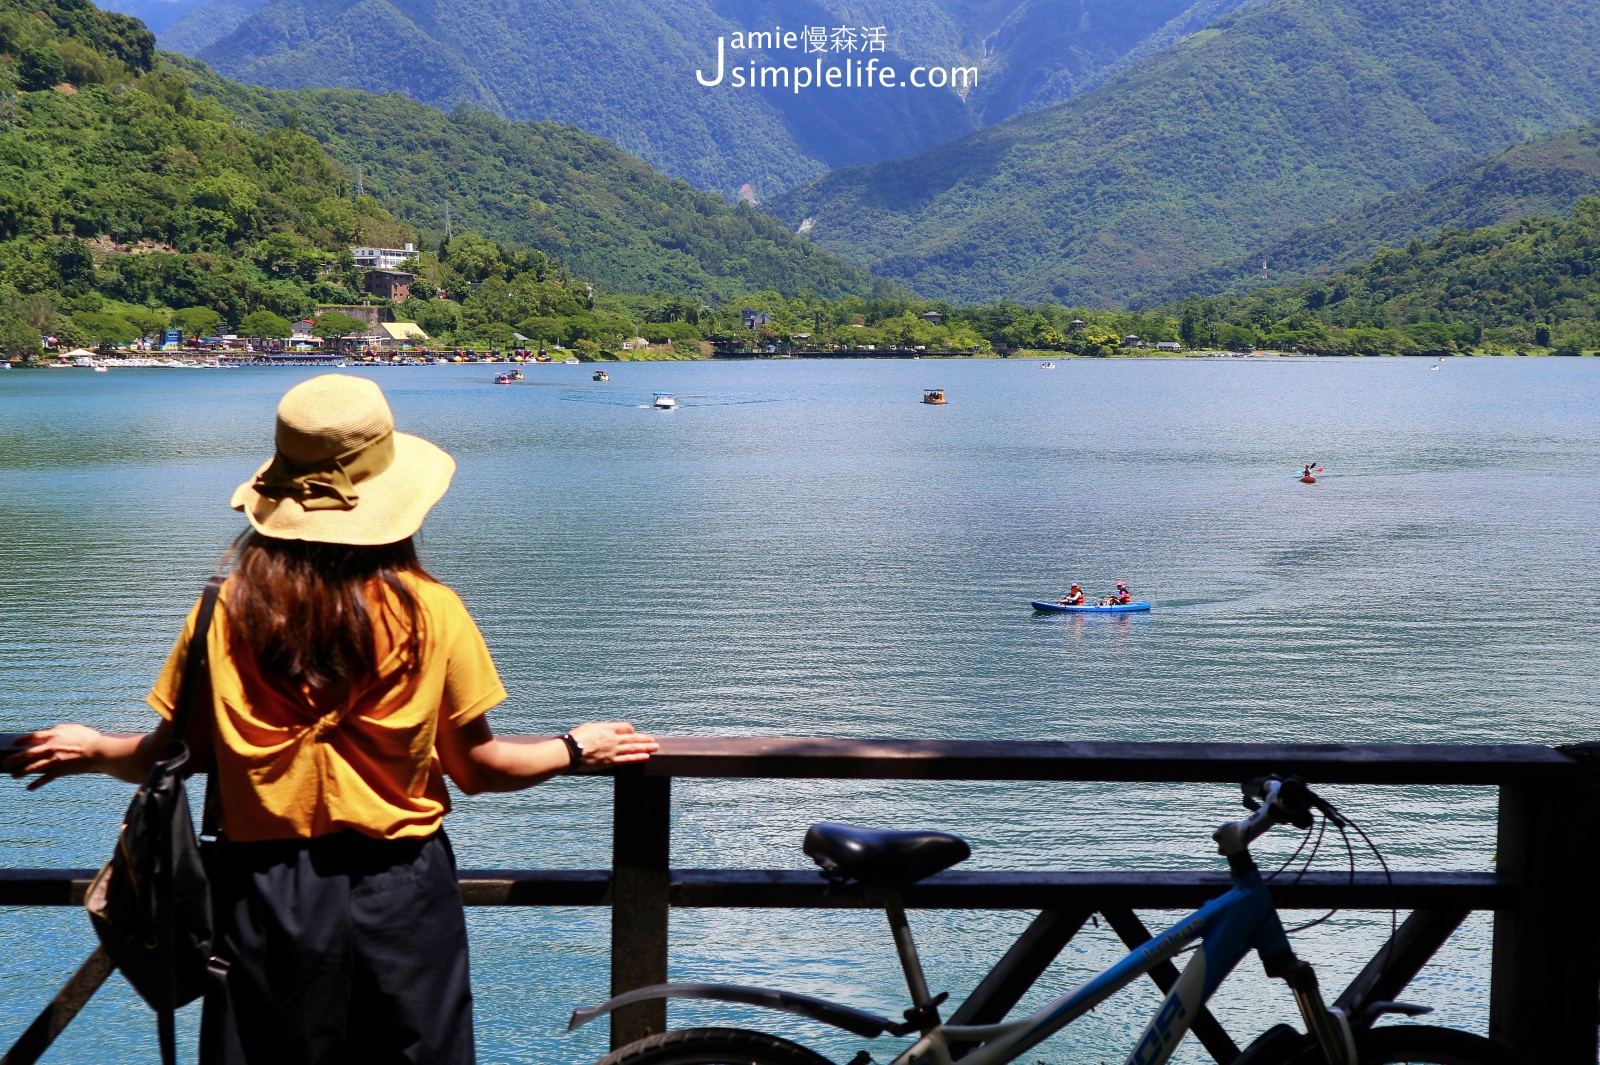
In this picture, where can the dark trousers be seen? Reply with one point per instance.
(343, 950)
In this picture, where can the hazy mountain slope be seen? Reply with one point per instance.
(625, 69)
(579, 199)
(205, 24)
(1047, 51)
(1538, 178)
(622, 69)
(1285, 113)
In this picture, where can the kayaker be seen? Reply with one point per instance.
(1122, 598)
(1072, 598)
(1307, 471)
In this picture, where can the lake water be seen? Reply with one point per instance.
(805, 549)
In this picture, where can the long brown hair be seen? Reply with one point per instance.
(306, 612)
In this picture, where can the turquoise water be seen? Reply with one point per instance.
(805, 549)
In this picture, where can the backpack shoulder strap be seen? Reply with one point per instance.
(196, 660)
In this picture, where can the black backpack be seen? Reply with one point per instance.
(151, 904)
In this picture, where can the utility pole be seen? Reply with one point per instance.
(447, 221)
(360, 182)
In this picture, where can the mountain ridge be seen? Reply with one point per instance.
(539, 61)
(1543, 177)
(1285, 113)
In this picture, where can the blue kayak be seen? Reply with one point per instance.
(1122, 608)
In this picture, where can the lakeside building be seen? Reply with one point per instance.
(388, 284)
(401, 335)
(382, 258)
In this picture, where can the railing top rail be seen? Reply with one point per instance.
(1327, 763)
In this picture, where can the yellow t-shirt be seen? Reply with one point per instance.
(291, 769)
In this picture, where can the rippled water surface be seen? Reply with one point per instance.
(804, 549)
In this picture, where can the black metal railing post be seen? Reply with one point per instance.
(641, 846)
(1546, 964)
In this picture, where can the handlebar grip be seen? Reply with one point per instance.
(1293, 802)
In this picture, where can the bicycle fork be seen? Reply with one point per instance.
(1328, 1028)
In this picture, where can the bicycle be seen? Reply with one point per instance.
(1221, 933)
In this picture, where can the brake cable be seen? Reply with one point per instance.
(1340, 821)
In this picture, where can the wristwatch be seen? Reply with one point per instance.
(574, 751)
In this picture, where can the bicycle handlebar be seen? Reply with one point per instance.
(1273, 800)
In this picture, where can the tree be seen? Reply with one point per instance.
(1189, 329)
(18, 339)
(40, 68)
(1541, 336)
(226, 204)
(473, 257)
(105, 328)
(337, 326)
(264, 325)
(146, 321)
(197, 322)
(37, 310)
(75, 265)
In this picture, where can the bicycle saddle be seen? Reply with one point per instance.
(882, 859)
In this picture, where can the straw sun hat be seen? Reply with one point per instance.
(341, 474)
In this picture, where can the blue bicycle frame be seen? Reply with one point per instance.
(1227, 929)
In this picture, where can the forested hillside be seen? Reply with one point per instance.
(1542, 177)
(1283, 114)
(580, 199)
(130, 187)
(1531, 284)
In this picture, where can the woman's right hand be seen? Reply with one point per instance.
(608, 743)
(56, 752)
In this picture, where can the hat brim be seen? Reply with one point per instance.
(390, 508)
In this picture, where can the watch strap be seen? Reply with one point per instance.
(574, 752)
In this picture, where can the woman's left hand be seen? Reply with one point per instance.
(608, 743)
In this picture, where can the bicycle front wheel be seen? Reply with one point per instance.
(1417, 1044)
(713, 1046)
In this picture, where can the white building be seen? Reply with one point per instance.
(382, 258)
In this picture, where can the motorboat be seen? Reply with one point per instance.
(600, 375)
(933, 395)
(571, 360)
(503, 378)
(665, 401)
(1047, 366)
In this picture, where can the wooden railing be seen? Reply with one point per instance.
(1545, 971)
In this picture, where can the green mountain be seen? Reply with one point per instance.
(580, 199)
(1046, 51)
(622, 69)
(1282, 114)
(1533, 283)
(135, 182)
(625, 69)
(1541, 177)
